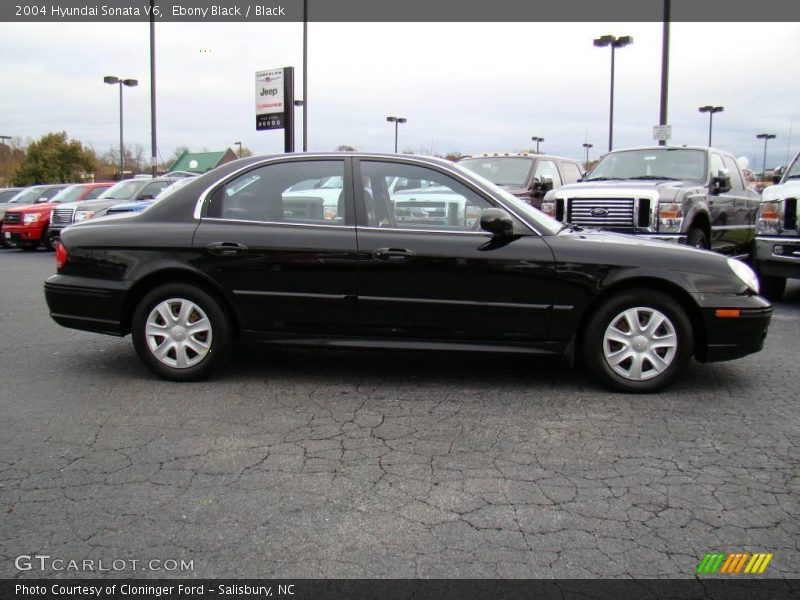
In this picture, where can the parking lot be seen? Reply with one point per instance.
(314, 463)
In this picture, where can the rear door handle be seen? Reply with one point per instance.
(226, 248)
(394, 254)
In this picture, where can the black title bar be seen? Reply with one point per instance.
(711, 11)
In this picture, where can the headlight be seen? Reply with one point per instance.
(769, 218)
(670, 217)
(83, 215)
(549, 208)
(30, 218)
(745, 273)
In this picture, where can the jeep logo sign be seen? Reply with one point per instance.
(599, 212)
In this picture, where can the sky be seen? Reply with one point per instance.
(464, 87)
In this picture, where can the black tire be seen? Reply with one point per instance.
(642, 301)
(772, 288)
(217, 337)
(47, 241)
(697, 238)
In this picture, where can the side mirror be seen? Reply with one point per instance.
(497, 222)
(720, 184)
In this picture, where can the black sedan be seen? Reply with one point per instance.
(458, 265)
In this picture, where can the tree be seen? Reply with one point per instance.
(55, 159)
(11, 157)
(244, 152)
(454, 156)
(345, 148)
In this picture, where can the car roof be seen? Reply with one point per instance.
(518, 155)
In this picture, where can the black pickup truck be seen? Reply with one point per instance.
(691, 195)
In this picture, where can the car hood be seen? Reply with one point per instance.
(627, 184)
(790, 188)
(707, 272)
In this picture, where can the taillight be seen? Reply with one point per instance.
(61, 256)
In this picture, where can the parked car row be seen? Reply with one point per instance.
(403, 252)
(34, 216)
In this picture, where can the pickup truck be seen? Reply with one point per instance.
(27, 227)
(527, 176)
(777, 255)
(27, 196)
(692, 195)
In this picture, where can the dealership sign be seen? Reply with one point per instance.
(270, 106)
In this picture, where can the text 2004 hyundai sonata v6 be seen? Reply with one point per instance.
(232, 256)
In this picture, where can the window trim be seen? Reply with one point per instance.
(201, 207)
(360, 206)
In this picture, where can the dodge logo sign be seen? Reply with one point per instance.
(599, 212)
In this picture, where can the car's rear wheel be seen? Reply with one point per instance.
(772, 287)
(638, 341)
(181, 332)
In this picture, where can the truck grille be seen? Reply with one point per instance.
(12, 218)
(608, 213)
(61, 216)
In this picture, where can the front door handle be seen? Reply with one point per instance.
(394, 254)
(227, 248)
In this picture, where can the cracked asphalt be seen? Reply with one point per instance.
(316, 463)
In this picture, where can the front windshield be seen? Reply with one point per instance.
(507, 170)
(793, 172)
(124, 190)
(541, 221)
(27, 196)
(656, 163)
(69, 194)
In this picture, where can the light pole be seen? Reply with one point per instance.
(586, 147)
(111, 80)
(302, 104)
(766, 137)
(3, 139)
(614, 42)
(396, 121)
(153, 142)
(239, 153)
(305, 75)
(537, 139)
(710, 110)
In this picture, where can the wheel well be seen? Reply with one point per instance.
(153, 280)
(701, 220)
(675, 292)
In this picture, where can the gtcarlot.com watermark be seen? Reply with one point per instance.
(45, 562)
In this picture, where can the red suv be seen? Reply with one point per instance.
(27, 227)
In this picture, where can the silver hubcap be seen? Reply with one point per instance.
(640, 343)
(178, 333)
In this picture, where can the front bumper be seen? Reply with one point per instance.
(785, 264)
(87, 304)
(729, 337)
(16, 235)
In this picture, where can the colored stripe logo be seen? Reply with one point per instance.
(734, 563)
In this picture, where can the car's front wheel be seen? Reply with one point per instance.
(638, 341)
(181, 332)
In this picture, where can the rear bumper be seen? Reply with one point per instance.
(87, 304)
(729, 337)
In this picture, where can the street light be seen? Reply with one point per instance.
(537, 139)
(239, 153)
(3, 139)
(111, 80)
(586, 147)
(396, 121)
(710, 110)
(766, 137)
(614, 42)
